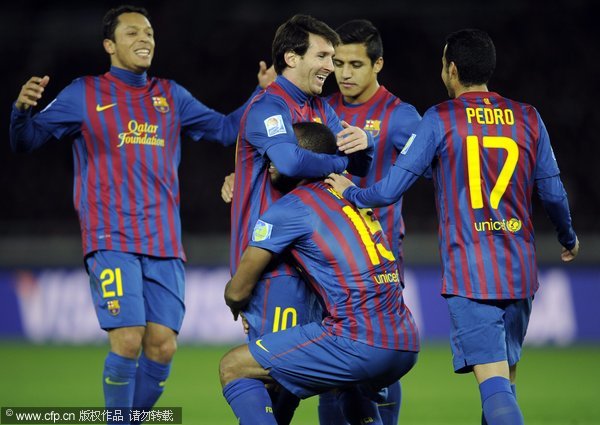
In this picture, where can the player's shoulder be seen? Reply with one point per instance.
(269, 103)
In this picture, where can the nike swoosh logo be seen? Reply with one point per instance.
(259, 343)
(104, 107)
(110, 382)
(162, 383)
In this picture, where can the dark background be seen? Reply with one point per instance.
(547, 56)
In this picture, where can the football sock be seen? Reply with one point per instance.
(357, 408)
(329, 410)
(284, 405)
(250, 402)
(389, 410)
(149, 382)
(499, 403)
(513, 388)
(118, 381)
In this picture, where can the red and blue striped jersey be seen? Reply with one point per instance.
(486, 153)
(126, 153)
(391, 122)
(345, 256)
(265, 127)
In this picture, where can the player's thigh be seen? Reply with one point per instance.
(239, 363)
(477, 332)
(117, 288)
(164, 291)
(279, 303)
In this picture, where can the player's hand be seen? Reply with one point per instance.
(265, 75)
(569, 254)
(227, 188)
(31, 92)
(245, 323)
(351, 139)
(339, 183)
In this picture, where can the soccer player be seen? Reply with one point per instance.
(487, 154)
(368, 336)
(363, 102)
(302, 53)
(126, 129)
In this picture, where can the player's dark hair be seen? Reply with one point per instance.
(111, 18)
(361, 31)
(292, 35)
(473, 53)
(315, 137)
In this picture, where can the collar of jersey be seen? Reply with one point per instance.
(291, 89)
(128, 77)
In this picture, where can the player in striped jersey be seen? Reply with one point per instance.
(487, 154)
(302, 57)
(126, 128)
(363, 102)
(368, 336)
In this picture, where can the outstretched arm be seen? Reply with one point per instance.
(239, 289)
(385, 192)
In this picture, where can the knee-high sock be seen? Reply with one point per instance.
(284, 405)
(357, 408)
(118, 380)
(250, 402)
(149, 382)
(330, 412)
(513, 388)
(499, 403)
(389, 410)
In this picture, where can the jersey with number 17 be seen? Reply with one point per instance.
(486, 152)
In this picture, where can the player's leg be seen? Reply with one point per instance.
(116, 286)
(329, 409)
(512, 378)
(478, 338)
(279, 303)
(243, 381)
(357, 408)
(389, 408)
(164, 299)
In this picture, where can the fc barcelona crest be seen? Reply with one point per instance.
(160, 104)
(373, 126)
(113, 307)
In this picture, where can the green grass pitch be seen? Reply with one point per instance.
(556, 386)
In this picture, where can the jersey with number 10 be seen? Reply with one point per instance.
(391, 122)
(486, 152)
(347, 260)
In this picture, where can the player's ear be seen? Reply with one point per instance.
(291, 58)
(452, 70)
(109, 46)
(378, 65)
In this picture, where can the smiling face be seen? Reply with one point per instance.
(133, 47)
(310, 70)
(356, 76)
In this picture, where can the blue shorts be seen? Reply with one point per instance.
(131, 289)
(486, 331)
(279, 303)
(307, 360)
